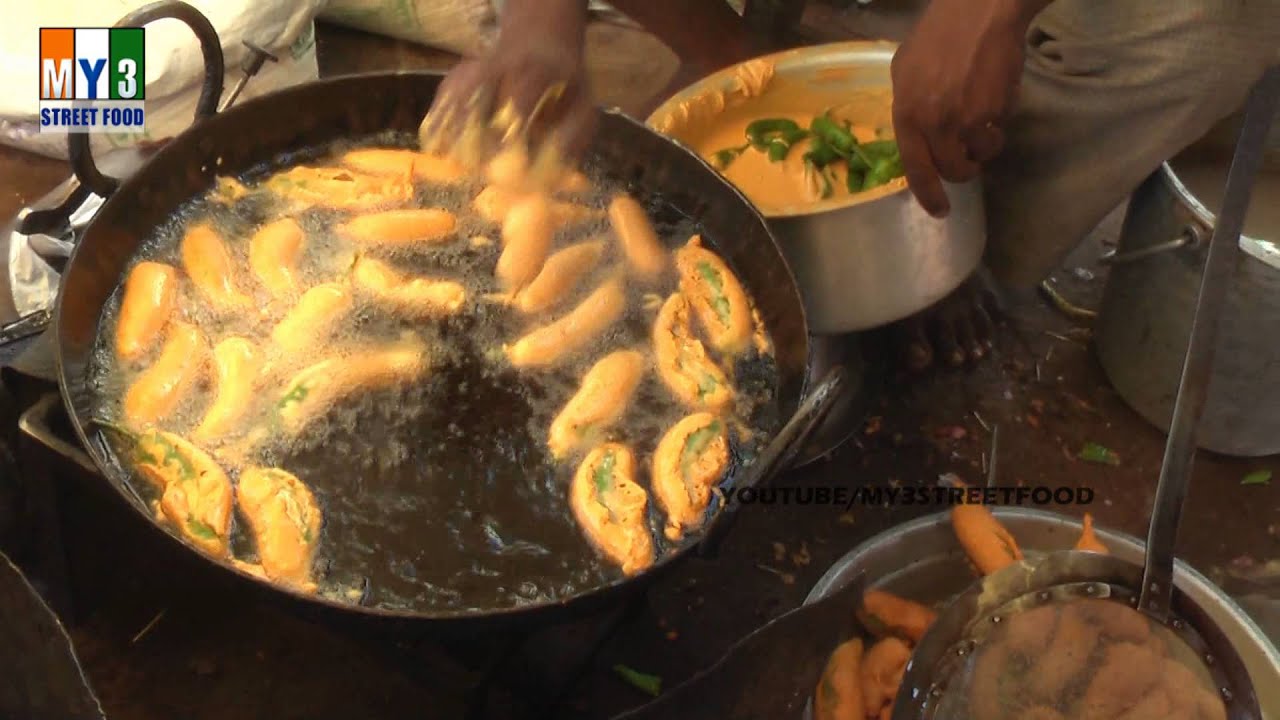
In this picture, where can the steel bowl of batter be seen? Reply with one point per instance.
(863, 258)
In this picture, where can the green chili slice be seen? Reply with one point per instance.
(830, 131)
(298, 393)
(604, 474)
(853, 181)
(696, 443)
(200, 529)
(723, 158)
(718, 300)
(821, 153)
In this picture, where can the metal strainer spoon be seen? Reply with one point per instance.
(1072, 575)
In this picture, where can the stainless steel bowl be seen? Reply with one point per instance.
(923, 561)
(1145, 318)
(861, 262)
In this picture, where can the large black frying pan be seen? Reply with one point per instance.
(313, 115)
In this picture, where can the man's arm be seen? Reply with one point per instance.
(563, 20)
(954, 82)
(706, 34)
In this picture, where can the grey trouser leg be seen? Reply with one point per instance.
(1112, 89)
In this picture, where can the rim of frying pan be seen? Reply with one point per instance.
(119, 475)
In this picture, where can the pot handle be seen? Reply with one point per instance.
(82, 163)
(779, 452)
(1190, 237)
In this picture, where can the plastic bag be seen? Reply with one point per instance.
(173, 69)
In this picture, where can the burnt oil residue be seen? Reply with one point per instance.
(440, 495)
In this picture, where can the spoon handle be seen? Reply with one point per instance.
(1219, 268)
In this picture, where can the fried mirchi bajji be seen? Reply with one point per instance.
(988, 544)
(645, 253)
(599, 403)
(611, 507)
(683, 363)
(338, 188)
(717, 297)
(565, 337)
(238, 362)
(691, 458)
(402, 163)
(560, 275)
(313, 390)
(882, 668)
(285, 520)
(527, 232)
(311, 321)
(156, 393)
(412, 296)
(195, 492)
(887, 614)
(212, 271)
(400, 228)
(839, 692)
(274, 251)
(150, 296)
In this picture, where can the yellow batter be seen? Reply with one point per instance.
(717, 120)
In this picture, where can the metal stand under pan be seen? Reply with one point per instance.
(861, 355)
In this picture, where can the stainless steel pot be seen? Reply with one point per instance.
(923, 561)
(860, 262)
(1144, 322)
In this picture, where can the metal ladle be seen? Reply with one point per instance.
(1064, 576)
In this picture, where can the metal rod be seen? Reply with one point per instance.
(1219, 268)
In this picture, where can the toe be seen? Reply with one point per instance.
(948, 345)
(917, 352)
(967, 335)
(984, 327)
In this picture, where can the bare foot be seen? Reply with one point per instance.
(956, 331)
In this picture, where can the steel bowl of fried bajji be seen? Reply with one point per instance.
(807, 136)
(914, 569)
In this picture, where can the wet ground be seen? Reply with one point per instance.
(161, 638)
